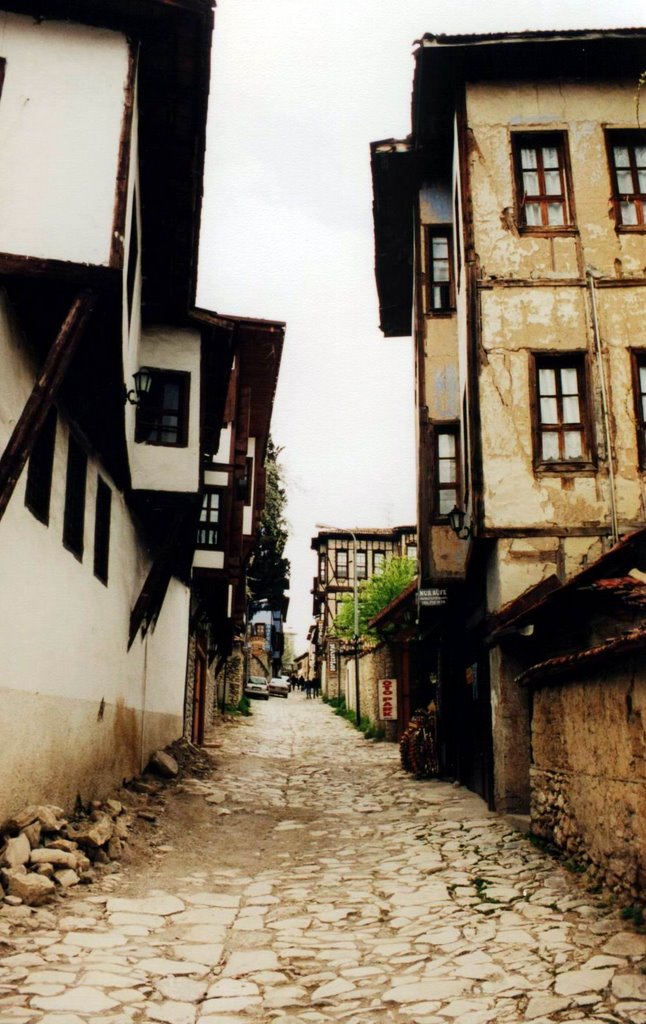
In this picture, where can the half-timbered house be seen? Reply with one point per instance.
(113, 387)
(510, 232)
(346, 558)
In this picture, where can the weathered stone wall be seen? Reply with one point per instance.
(190, 687)
(588, 773)
(378, 664)
(229, 684)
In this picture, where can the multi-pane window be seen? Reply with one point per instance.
(39, 472)
(561, 410)
(411, 551)
(446, 471)
(342, 563)
(362, 565)
(639, 368)
(541, 181)
(74, 516)
(103, 510)
(322, 567)
(440, 271)
(208, 530)
(162, 414)
(628, 166)
(378, 559)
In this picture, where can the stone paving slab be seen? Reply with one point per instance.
(377, 898)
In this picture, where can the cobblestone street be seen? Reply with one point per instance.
(361, 895)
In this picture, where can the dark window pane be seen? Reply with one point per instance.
(162, 413)
(74, 518)
(440, 289)
(208, 532)
(39, 472)
(102, 530)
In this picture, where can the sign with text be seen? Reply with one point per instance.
(332, 658)
(387, 696)
(432, 597)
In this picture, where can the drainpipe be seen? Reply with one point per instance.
(604, 405)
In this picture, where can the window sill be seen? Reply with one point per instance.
(559, 232)
(630, 229)
(440, 314)
(565, 468)
(162, 444)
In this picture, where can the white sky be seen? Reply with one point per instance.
(299, 90)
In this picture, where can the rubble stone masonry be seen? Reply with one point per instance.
(588, 773)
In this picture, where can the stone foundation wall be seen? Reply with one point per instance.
(588, 773)
(372, 667)
(190, 688)
(229, 683)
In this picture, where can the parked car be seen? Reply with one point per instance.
(256, 686)
(279, 686)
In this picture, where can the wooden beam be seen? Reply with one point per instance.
(153, 592)
(43, 395)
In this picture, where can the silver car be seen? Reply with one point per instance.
(279, 686)
(256, 686)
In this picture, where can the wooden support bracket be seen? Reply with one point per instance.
(43, 395)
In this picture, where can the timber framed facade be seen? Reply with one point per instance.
(528, 147)
(338, 559)
(101, 497)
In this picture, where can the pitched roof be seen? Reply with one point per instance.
(629, 643)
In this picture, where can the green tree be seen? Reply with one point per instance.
(374, 595)
(268, 576)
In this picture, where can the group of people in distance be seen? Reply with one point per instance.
(311, 687)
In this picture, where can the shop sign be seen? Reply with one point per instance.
(387, 696)
(432, 597)
(332, 658)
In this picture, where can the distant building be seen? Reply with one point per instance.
(338, 560)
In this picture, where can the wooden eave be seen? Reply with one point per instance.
(259, 351)
(392, 533)
(393, 215)
(444, 63)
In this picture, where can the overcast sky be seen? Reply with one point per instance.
(299, 90)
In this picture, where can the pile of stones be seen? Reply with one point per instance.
(42, 853)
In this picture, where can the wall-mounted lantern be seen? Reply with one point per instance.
(143, 379)
(456, 522)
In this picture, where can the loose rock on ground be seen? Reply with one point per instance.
(309, 880)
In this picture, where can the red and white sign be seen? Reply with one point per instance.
(387, 696)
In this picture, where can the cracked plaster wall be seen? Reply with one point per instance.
(523, 319)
